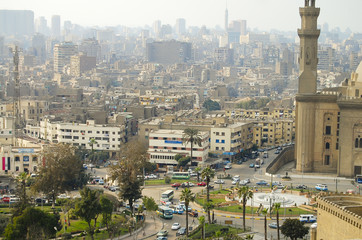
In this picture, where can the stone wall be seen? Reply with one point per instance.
(286, 156)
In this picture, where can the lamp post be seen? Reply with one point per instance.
(336, 180)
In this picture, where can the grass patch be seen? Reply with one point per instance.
(212, 228)
(294, 211)
(223, 191)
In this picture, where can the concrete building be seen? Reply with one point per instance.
(168, 52)
(165, 144)
(16, 22)
(224, 55)
(231, 140)
(62, 55)
(180, 27)
(81, 63)
(339, 216)
(55, 26)
(108, 137)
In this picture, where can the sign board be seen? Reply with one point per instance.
(228, 222)
(26, 150)
(173, 142)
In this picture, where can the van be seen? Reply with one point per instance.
(307, 218)
(14, 200)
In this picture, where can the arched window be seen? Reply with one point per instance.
(360, 142)
(356, 143)
(327, 145)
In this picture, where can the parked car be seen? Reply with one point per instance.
(181, 231)
(247, 180)
(257, 165)
(219, 181)
(301, 187)
(236, 178)
(194, 214)
(176, 185)
(251, 165)
(234, 182)
(201, 184)
(277, 152)
(321, 187)
(175, 226)
(101, 182)
(274, 225)
(262, 183)
(227, 167)
(162, 233)
(161, 238)
(187, 184)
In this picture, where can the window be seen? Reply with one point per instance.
(328, 130)
(222, 141)
(217, 140)
(222, 134)
(336, 146)
(326, 159)
(217, 148)
(356, 143)
(327, 145)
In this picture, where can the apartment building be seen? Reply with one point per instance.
(266, 114)
(108, 137)
(231, 139)
(165, 144)
(273, 132)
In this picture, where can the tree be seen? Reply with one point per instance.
(131, 163)
(211, 105)
(198, 170)
(202, 224)
(62, 171)
(187, 196)
(277, 207)
(191, 136)
(244, 194)
(106, 209)
(92, 142)
(88, 208)
(208, 206)
(265, 213)
(207, 174)
(182, 162)
(22, 180)
(32, 224)
(294, 229)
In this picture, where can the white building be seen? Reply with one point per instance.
(108, 137)
(165, 144)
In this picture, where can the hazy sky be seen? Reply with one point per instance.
(261, 14)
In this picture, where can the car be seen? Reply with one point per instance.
(101, 182)
(194, 214)
(227, 167)
(211, 187)
(321, 187)
(175, 226)
(201, 184)
(181, 231)
(257, 165)
(187, 184)
(179, 210)
(236, 177)
(176, 185)
(247, 180)
(63, 196)
(275, 183)
(234, 182)
(277, 152)
(251, 165)
(262, 183)
(274, 225)
(243, 182)
(301, 187)
(162, 233)
(161, 238)
(219, 181)
(40, 200)
(279, 186)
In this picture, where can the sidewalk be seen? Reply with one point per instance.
(151, 228)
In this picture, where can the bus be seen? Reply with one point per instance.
(181, 175)
(358, 178)
(164, 212)
(167, 196)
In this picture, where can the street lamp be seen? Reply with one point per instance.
(336, 180)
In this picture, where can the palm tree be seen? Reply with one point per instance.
(208, 174)
(197, 170)
(191, 136)
(244, 194)
(265, 213)
(187, 196)
(202, 224)
(92, 141)
(277, 207)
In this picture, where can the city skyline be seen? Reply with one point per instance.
(139, 13)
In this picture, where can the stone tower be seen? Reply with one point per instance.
(306, 98)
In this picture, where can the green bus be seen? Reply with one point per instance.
(165, 212)
(181, 175)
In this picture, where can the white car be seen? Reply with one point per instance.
(234, 182)
(175, 226)
(219, 181)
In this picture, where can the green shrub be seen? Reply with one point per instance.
(167, 180)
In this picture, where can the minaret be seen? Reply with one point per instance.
(307, 88)
(308, 60)
(226, 17)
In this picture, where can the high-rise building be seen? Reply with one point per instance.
(90, 47)
(41, 26)
(180, 27)
(81, 63)
(39, 48)
(55, 26)
(243, 29)
(226, 23)
(16, 22)
(157, 27)
(62, 55)
(168, 52)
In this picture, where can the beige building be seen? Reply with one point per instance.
(81, 63)
(339, 217)
(62, 54)
(231, 139)
(273, 133)
(328, 123)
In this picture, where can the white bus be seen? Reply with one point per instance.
(167, 196)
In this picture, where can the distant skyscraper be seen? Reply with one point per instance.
(157, 27)
(226, 24)
(39, 47)
(41, 25)
(55, 26)
(90, 47)
(62, 55)
(243, 30)
(16, 22)
(180, 26)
